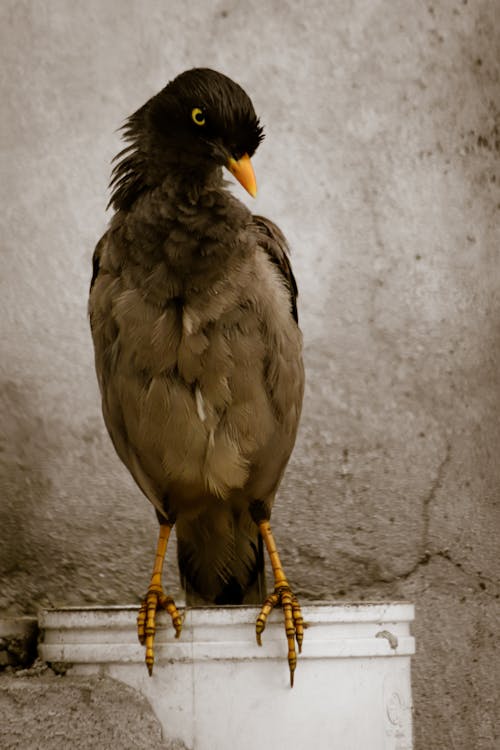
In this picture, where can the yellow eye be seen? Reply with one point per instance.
(197, 116)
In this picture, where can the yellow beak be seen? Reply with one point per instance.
(243, 171)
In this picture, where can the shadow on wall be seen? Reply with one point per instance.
(26, 452)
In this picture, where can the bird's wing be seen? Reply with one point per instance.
(272, 240)
(106, 347)
(283, 372)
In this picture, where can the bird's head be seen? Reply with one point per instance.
(200, 121)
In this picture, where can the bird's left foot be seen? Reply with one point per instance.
(146, 620)
(294, 622)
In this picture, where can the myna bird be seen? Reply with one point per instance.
(197, 346)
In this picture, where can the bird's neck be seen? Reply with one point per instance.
(192, 191)
(188, 185)
(193, 230)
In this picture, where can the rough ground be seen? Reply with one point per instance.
(53, 712)
(381, 166)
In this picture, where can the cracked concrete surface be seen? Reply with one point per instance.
(381, 166)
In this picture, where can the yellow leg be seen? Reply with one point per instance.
(155, 600)
(283, 595)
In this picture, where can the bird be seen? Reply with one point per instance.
(198, 351)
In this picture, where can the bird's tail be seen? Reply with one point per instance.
(221, 558)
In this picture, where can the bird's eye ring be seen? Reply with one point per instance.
(198, 116)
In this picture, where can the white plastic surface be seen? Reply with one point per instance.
(215, 689)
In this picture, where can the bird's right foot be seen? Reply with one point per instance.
(146, 620)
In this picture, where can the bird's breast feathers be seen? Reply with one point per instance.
(198, 387)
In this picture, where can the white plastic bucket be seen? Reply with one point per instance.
(215, 689)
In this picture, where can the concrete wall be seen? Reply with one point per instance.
(381, 166)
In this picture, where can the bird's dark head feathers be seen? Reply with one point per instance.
(196, 123)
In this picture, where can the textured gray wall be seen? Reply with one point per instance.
(381, 166)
